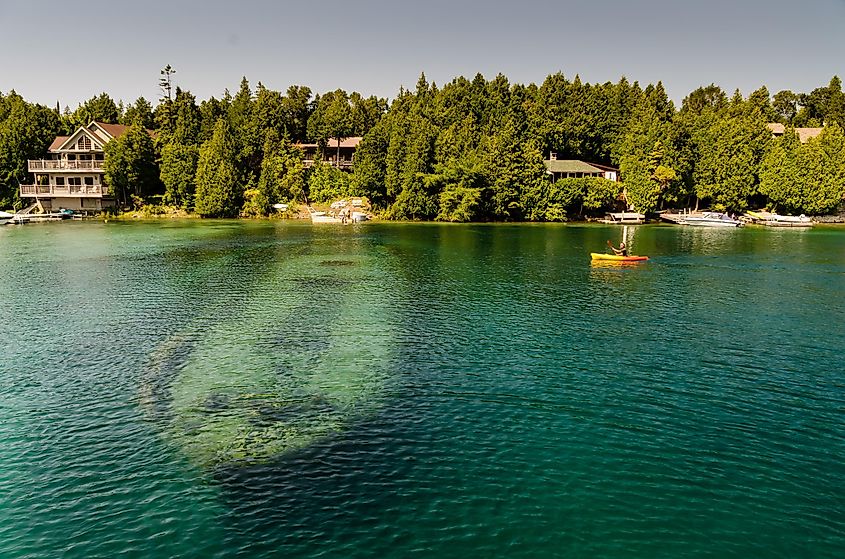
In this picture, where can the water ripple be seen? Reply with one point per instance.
(487, 392)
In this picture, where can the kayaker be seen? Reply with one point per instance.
(621, 251)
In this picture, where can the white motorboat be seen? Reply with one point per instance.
(710, 219)
(770, 219)
(776, 220)
(6, 217)
(323, 217)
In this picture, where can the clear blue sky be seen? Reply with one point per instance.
(70, 51)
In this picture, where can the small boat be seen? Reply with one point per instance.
(789, 221)
(710, 219)
(6, 217)
(323, 217)
(616, 258)
(774, 220)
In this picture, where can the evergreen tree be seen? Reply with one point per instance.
(704, 99)
(822, 171)
(293, 184)
(462, 188)
(187, 119)
(141, 112)
(729, 155)
(218, 189)
(785, 106)
(130, 165)
(101, 108)
(779, 173)
(331, 119)
(246, 135)
(327, 183)
(26, 130)
(646, 163)
(297, 107)
(212, 110)
(178, 174)
(368, 177)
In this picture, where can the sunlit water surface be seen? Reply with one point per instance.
(220, 389)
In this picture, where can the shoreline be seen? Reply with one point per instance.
(835, 222)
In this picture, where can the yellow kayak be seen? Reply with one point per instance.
(615, 258)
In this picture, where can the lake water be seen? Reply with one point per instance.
(260, 389)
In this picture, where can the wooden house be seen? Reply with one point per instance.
(338, 153)
(576, 169)
(71, 176)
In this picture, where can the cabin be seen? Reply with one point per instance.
(71, 176)
(576, 169)
(338, 153)
(804, 134)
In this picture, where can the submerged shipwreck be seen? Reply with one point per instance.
(278, 375)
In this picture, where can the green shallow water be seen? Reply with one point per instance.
(221, 389)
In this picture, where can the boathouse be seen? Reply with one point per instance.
(71, 176)
(576, 169)
(339, 153)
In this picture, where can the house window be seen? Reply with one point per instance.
(74, 181)
(89, 181)
(60, 181)
(84, 143)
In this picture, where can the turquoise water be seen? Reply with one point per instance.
(227, 389)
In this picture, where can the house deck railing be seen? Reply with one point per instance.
(36, 165)
(71, 191)
(344, 163)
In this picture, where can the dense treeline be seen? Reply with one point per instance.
(469, 150)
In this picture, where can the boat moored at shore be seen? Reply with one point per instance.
(770, 219)
(710, 219)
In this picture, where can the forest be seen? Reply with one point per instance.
(469, 150)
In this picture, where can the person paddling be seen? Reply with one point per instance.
(621, 251)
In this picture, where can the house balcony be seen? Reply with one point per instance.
(41, 165)
(66, 191)
(344, 163)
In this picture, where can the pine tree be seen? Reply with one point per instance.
(178, 174)
(218, 189)
(779, 173)
(130, 165)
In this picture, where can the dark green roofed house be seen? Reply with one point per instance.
(576, 169)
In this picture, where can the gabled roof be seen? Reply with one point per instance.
(101, 132)
(570, 166)
(57, 142)
(113, 130)
(73, 138)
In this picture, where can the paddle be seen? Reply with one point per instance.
(611, 246)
